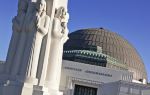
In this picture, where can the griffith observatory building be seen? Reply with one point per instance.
(99, 62)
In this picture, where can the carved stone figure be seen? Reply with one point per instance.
(18, 22)
(39, 28)
(58, 38)
(42, 19)
(65, 30)
(60, 23)
(19, 55)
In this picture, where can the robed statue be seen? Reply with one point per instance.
(40, 25)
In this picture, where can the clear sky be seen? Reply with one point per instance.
(129, 18)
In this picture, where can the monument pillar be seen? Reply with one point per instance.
(34, 60)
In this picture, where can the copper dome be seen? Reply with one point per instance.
(112, 44)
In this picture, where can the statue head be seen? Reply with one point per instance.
(22, 5)
(41, 6)
(62, 14)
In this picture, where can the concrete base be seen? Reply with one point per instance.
(30, 80)
(17, 87)
(55, 92)
(10, 88)
(40, 90)
(27, 89)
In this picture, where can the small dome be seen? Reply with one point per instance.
(112, 44)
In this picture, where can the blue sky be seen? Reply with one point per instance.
(129, 18)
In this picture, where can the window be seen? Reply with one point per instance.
(84, 90)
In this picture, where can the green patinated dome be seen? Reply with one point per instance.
(112, 45)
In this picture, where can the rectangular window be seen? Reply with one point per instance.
(84, 90)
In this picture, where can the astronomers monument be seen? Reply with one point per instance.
(34, 59)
